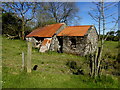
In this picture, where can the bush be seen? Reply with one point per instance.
(111, 38)
(75, 68)
(11, 24)
(72, 64)
(116, 38)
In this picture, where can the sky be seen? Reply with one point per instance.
(119, 15)
(86, 19)
(85, 7)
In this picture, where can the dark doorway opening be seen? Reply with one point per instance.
(60, 39)
(73, 43)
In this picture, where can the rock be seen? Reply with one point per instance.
(35, 67)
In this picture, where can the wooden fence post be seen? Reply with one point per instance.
(29, 53)
(23, 61)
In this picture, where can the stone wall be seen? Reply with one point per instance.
(54, 44)
(91, 40)
(74, 45)
(34, 41)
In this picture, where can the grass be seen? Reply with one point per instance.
(110, 48)
(52, 70)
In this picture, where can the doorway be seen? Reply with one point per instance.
(60, 39)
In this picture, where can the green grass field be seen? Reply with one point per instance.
(52, 70)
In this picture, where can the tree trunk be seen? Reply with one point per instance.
(23, 36)
(93, 66)
(96, 60)
(19, 34)
(99, 29)
(99, 59)
(23, 30)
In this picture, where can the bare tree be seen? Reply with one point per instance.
(43, 17)
(23, 10)
(101, 18)
(58, 12)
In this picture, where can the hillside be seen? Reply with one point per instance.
(52, 71)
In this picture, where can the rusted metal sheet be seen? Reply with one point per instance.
(45, 45)
(75, 30)
(47, 31)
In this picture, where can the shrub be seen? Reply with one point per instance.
(75, 68)
(116, 38)
(72, 64)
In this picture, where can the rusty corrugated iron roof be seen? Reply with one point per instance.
(75, 30)
(47, 31)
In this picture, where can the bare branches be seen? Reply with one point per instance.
(108, 16)
(21, 9)
(93, 17)
(59, 11)
(112, 29)
(110, 5)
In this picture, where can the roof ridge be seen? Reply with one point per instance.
(79, 25)
(54, 24)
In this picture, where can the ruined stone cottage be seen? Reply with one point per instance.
(79, 40)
